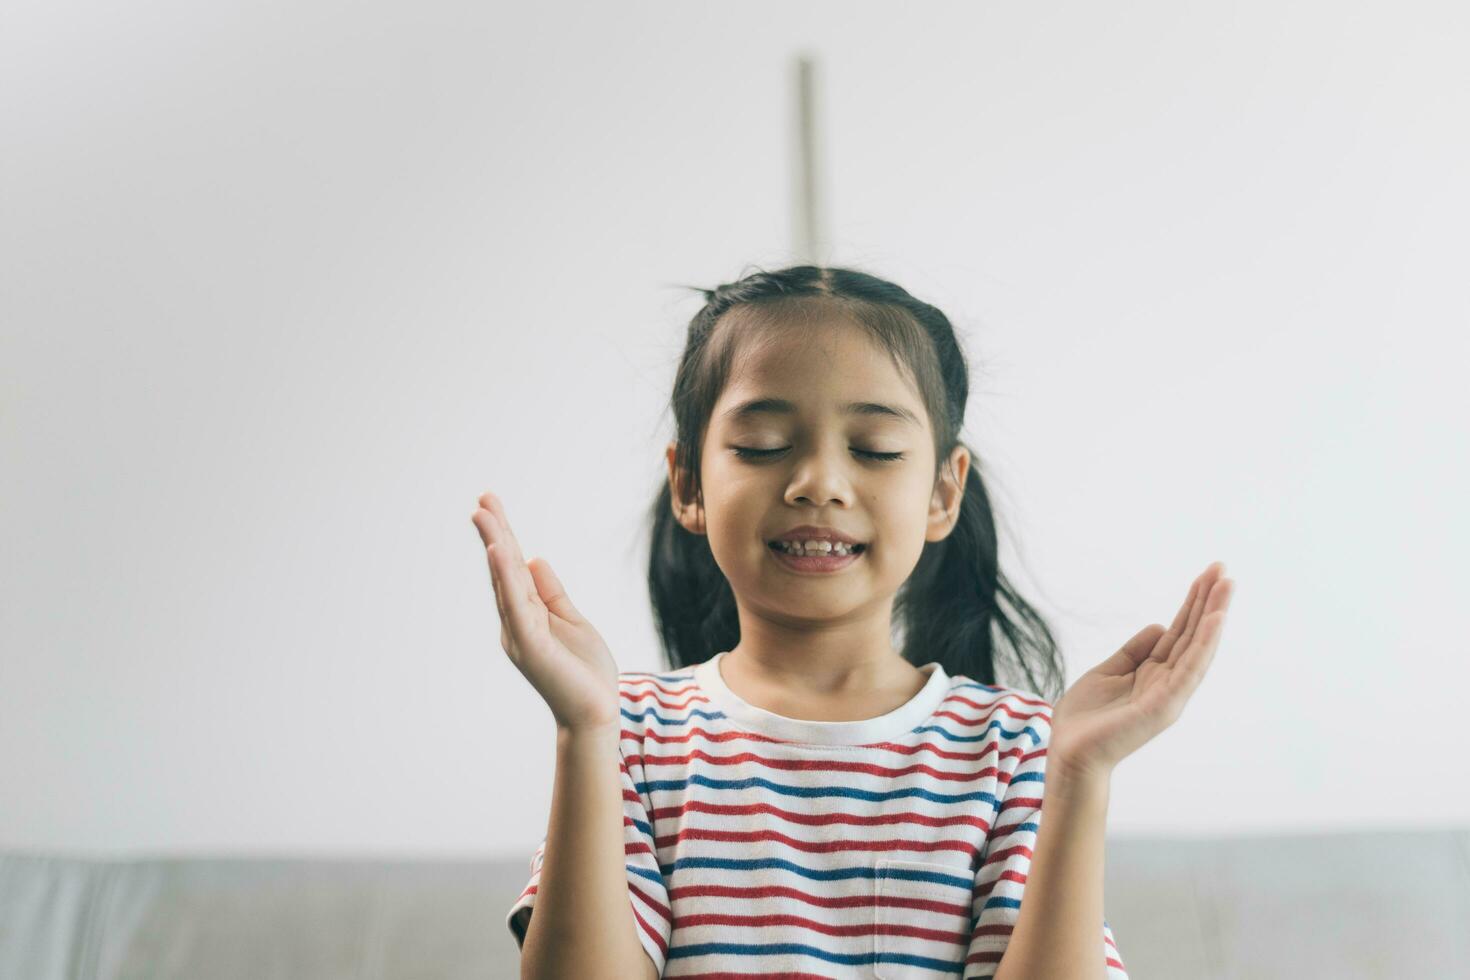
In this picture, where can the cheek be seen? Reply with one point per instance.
(731, 520)
(901, 519)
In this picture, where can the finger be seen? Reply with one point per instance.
(505, 578)
(552, 592)
(517, 610)
(484, 522)
(1201, 594)
(495, 583)
(492, 503)
(1187, 674)
(478, 518)
(1195, 660)
(515, 575)
(1182, 617)
(1168, 640)
(1209, 582)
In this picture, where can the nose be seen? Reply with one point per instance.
(819, 479)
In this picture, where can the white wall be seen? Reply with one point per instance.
(287, 286)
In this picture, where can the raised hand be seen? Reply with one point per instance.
(556, 649)
(1126, 700)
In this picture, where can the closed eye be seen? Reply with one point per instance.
(746, 453)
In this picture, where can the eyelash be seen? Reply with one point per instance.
(745, 453)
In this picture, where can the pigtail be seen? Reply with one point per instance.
(693, 604)
(953, 606)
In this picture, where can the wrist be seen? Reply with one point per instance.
(1078, 784)
(589, 734)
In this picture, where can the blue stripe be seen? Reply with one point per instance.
(799, 949)
(818, 791)
(1004, 733)
(648, 873)
(913, 874)
(828, 874)
(647, 712)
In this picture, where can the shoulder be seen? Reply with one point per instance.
(1016, 717)
(637, 683)
(649, 697)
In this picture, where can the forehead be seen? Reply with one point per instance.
(832, 366)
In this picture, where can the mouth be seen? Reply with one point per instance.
(816, 560)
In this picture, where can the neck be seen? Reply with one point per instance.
(828, 660)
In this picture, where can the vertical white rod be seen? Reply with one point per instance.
(809, 234)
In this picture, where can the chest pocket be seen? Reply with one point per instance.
(922, 917)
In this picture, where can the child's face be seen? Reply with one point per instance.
(820, 477)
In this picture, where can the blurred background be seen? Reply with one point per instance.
(287, 286)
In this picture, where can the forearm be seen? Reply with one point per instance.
(1058, 932)
(582, 924)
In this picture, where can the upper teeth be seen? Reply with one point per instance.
(816, 546)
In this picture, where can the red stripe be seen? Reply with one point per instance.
(653, 933)
(860, 901)
(990, 718)
(986, 955)
(819, 847)
(1001, 701)
(650, 735)
(1004, 853)
(649, 679)
(809, 765)
(636, 888)
(1026, 802)
(820, 819)
(982, 890)
(692, 699)
(827, 929)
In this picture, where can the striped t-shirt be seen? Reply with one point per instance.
(762, 845)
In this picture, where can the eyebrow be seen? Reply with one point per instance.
(779, 406)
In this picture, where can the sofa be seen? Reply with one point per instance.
(1376, 905)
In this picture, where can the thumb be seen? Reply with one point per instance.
(551, 591)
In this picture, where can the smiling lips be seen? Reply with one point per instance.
(806, 534)
(822, 559)
(816, 547)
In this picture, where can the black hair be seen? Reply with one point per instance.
(956, 604)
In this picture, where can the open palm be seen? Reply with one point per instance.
(549, 641)
(1123, 702)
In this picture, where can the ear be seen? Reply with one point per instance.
(690, 515)
(949, 493)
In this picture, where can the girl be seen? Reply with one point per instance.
(796, 796)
